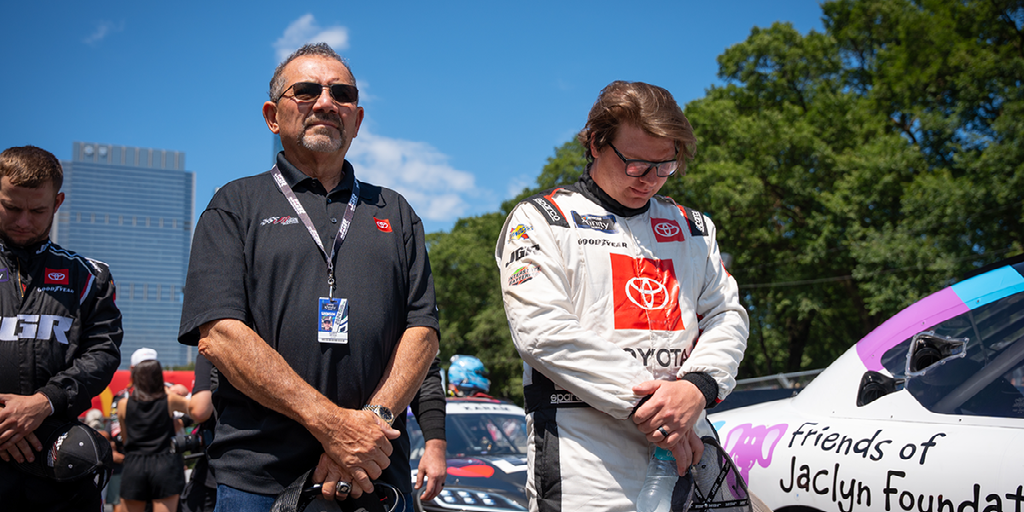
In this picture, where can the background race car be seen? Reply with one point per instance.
(925, 413)
(486, 456)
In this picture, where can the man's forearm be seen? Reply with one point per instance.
(406, 369)
(258, 371)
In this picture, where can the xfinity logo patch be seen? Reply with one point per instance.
(58, 276)
(604, 224)
(521, 253)
(4, 275)
(284, 221)
(39, 327)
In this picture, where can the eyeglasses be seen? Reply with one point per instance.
(640, 168)
(311, 91)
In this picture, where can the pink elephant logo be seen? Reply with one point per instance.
(748, 445)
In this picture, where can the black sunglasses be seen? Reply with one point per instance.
(639, 168)
(311, 91)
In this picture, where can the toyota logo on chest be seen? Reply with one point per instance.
(646, 293)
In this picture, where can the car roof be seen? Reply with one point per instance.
(466, 405)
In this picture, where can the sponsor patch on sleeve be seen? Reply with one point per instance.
(522, 275)
(604, 224)
(696, 221)
(551, 211)
(667, 230)
(519, 232)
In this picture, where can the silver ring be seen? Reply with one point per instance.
(343, 488)
(663, 431)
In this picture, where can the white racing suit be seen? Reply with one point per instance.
(600, 298)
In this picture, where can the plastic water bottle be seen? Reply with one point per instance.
(656, 495)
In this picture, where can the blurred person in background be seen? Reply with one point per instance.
(467, 376)
(151, 471)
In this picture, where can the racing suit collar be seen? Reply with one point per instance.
(24, 253)
(592, 191)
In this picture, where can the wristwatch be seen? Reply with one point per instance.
(382, 412)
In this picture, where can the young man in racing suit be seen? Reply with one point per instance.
(608, 288)
(60, 334)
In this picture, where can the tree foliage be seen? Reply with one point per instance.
(849, 172)
(852, 172)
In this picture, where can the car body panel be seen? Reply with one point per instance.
(822, 451)
(486, 456)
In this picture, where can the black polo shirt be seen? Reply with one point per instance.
(253, 260)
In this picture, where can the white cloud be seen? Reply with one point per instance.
(418, 171)
(103, 28)
(306, 30)
(518, 183)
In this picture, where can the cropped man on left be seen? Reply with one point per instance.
(60, 334)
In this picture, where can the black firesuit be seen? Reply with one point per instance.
(60, 332)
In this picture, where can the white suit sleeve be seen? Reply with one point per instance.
(723, 323)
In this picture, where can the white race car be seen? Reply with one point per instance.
(925, 413)
(486, 457)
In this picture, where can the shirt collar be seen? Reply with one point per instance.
(293, 176)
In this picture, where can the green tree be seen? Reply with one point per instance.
(854, 171)
(849, 172)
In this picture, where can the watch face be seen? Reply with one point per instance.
(383, 412)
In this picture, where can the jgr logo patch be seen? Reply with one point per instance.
(522, 275)
(605, 224)
(646, 294)
(40, 327)
(56, 276)
(667, 230)
(521, 253)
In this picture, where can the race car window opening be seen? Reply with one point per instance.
(928, 349)
(989, 379)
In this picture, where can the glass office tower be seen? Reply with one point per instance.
(132, 209)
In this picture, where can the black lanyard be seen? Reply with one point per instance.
(304, 217)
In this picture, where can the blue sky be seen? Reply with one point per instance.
(465, 101)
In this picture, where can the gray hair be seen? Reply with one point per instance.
(277, 82)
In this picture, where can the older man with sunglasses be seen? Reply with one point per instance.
(607, 287)
(311, 293)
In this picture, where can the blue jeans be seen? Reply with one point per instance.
(230, 499)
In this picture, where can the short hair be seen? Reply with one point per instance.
(31, 167)
(277, 82)
(648, 107)
(148, 379)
